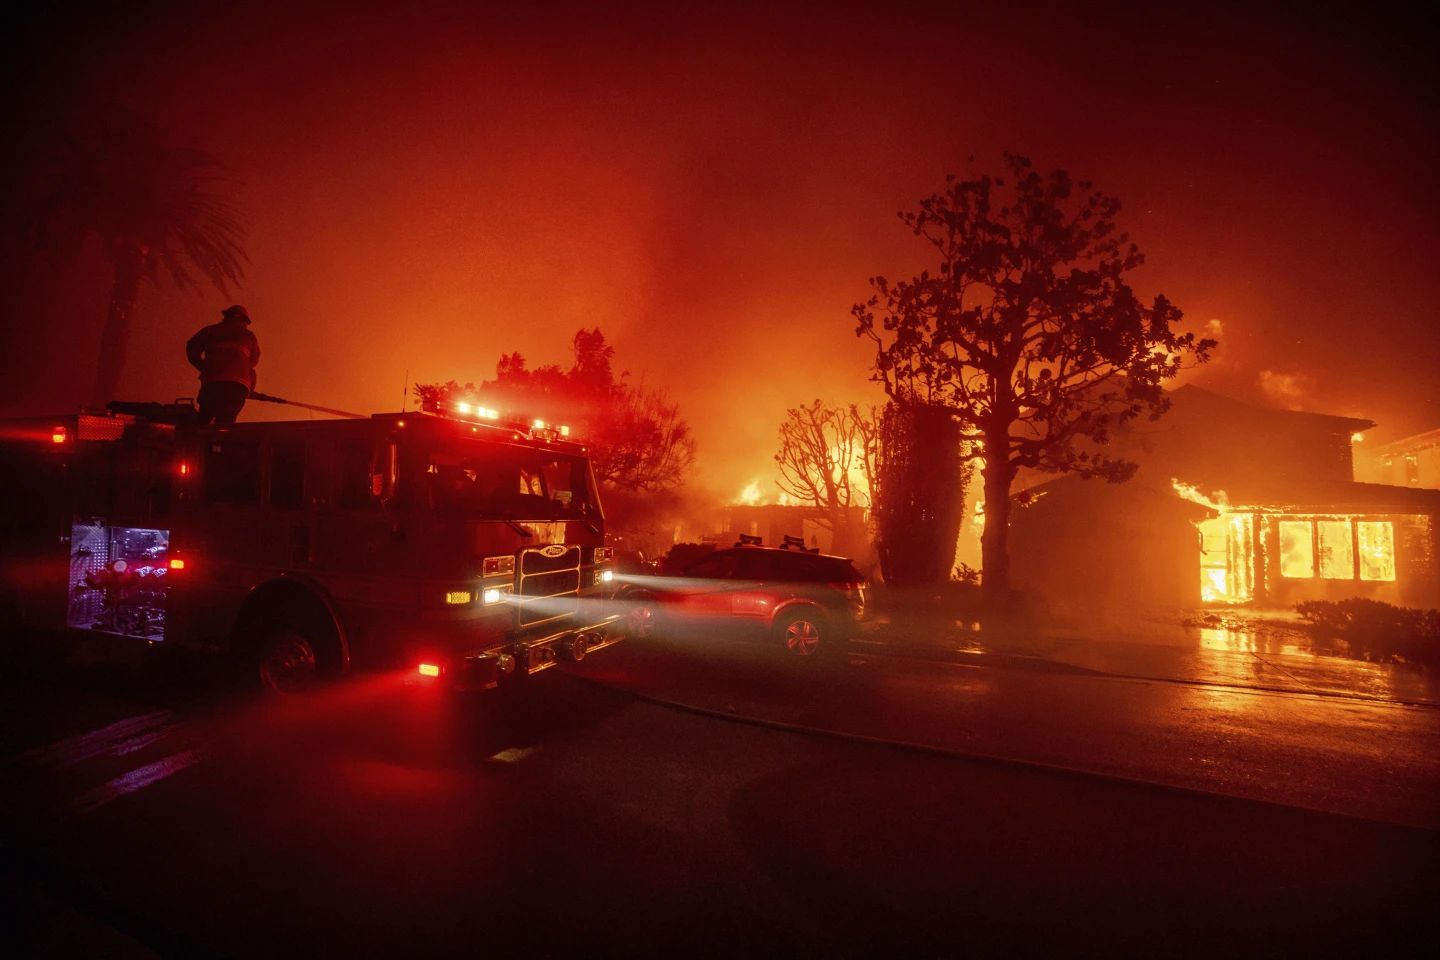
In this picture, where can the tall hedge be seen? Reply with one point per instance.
(919, 500)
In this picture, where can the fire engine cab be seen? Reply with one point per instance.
(461, 545)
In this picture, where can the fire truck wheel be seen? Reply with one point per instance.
(288, 664)
(805, 633)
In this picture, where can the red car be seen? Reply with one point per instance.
(807, 603)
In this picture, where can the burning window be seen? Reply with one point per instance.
(1337, 552)
(1377, 549)
(1227, 561)
(1297, 549)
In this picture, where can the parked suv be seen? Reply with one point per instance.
(806, 603)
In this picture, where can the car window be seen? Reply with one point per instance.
(809, 568)
(717, 566)
(764, 565)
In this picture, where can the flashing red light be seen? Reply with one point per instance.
(59, 435)
(176, 563)
(429, 670)
(184, 468)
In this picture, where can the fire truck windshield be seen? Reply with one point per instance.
(484, 481)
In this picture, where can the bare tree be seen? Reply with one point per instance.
(1028, 333)
(826, 461)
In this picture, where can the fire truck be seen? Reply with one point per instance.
(459, 544)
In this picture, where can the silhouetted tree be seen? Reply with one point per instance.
(636, 437)
(826, 461)
(152, 206)
(1028, 332)
(919, 494)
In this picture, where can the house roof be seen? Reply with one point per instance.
(1190, 395)
(1410, 444)
(1319, 496)
(1071, 490)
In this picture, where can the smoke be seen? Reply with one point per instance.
(1293, 391)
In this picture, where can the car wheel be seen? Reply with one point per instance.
(642, 615)
(288, 665)
(805, 634)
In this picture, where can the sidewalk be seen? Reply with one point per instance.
(1262, 655)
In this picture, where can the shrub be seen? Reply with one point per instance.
(1372, 630)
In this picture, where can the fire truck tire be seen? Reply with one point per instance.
(287, 663)
(804, 633)
(288, 641)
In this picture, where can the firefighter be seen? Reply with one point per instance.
(225, 353)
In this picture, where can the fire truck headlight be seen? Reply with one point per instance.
(462, 408)
(458, 597)
(492, 595)
(429, 669)
(606, 576)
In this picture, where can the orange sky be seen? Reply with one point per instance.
(428, 189)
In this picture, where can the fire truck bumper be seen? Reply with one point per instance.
(574, 643)
(462, 670)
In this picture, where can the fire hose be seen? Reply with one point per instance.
(268, 398)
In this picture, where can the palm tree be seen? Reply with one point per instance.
(152, 206)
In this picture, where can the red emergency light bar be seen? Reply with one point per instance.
(473, 413)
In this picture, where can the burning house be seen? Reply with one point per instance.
(1232, 504)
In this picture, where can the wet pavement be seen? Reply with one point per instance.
(1259, 654)
(875, 806)
(1355, 757)
(383, 818)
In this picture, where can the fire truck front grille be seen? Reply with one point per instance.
(549, 584)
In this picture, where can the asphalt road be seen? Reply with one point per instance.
(581, 818)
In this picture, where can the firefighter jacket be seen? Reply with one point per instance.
(225, 351)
